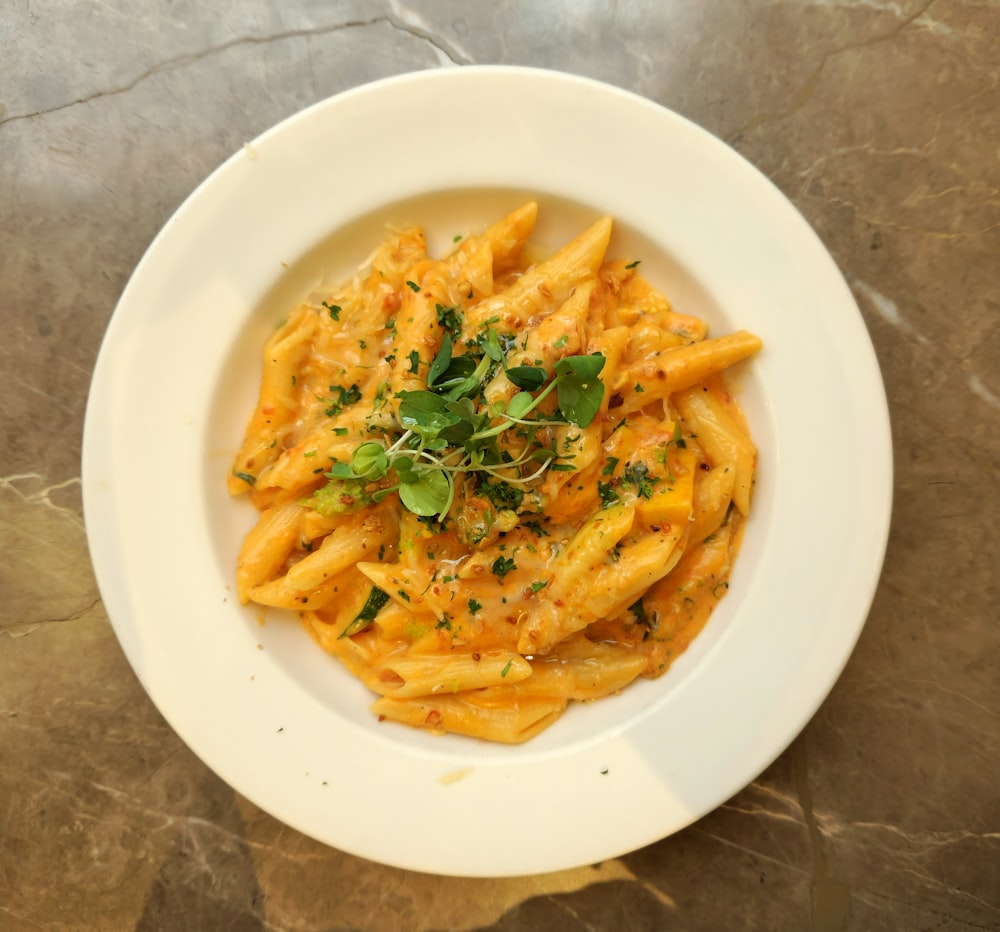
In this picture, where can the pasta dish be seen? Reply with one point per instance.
(493, 483)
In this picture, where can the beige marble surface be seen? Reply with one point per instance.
(880, 120)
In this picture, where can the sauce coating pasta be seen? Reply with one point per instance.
(492, 486)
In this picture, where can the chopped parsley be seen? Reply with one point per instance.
(449, 317)
(502, 566)
(606, 492)
(340, 396)
(501, 494)
(638, 475)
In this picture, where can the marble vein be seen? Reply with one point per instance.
(980, 390)
(808, 87)
(51, 399)
(888, 310)
(21, 917)
(926, 840)
(403, 21)
(830, 899)
(566, 908)
(884, 900)
(191, 825)
(43, 496)
(406, 20)
(747, 849)
(26, 628)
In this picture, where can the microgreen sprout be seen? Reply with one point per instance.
(449, 428)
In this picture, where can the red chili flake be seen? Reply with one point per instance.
(433, 718)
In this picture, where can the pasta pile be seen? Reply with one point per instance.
(491, 486)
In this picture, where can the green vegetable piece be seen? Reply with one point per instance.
(338, 497)
(373, 605)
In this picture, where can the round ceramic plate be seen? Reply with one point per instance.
(177, 376)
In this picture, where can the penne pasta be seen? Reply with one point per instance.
(490, 486)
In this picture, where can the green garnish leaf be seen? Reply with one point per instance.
(369, 461)
(502, 566)
(429, 494)
(530, 378)
(520, 405)
(448, 428)
(580, 391)
(441, 361)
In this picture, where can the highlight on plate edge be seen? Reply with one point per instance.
(494, 483)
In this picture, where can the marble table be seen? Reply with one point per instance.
(878, 119)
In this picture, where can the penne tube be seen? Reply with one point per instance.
(609, 590)
(481, 258)
(678, 369)
(357, 537)
(550, 283)
(405, 677)
(597, 671)
(508, 724)
(713, 493)
(266, 547)
(721, 437)
(283, 355)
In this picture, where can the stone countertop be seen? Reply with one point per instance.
(879, 120)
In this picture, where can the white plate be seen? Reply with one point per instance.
(262, 705)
